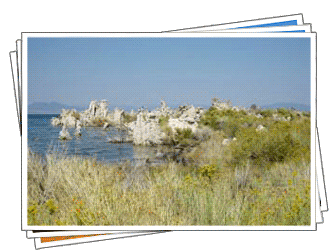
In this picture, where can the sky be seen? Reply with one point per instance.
(142, 71)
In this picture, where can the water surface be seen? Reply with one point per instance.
(43, 138)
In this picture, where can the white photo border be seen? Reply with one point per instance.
(87, 239)
(247, 23)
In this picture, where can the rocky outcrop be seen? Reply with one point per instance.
(146, 129)
(118, 116)
(145, 132)
(182, 124)
(151, 127)
(64, 134)
(188, 118)
(78, 128)
(102, 109)
(67, 118)
(221, 104)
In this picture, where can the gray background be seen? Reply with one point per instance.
(146, 16)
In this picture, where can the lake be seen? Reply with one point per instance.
(43, 138)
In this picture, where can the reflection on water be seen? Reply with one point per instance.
(43, 138)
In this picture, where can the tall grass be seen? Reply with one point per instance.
(76, 191)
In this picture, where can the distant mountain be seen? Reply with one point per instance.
(56, 108)
(299, 107)
(50, 108)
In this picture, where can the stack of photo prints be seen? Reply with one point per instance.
(203, 128)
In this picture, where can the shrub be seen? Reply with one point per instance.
(210, 118)
(207, 171)
(163, 121)
(169, 139)
(97, 122)
(284, 112)
(267, 113)
(292, 206)
(128, 118)
(184, 136)
(287, 113)
(283, 141)
(51, 206)
(75, 114)
(226, 120)
(32, 213)
(253, 107)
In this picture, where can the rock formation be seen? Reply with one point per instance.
(118, 116)
(102, 109)
(145, 132)
(92, 108)
(221, 104)
(78, 128)
(143, 127)
(64, 134)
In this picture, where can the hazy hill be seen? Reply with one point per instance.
(55, 108)
(50, 108)
(299, 107)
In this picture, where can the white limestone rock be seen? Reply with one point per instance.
(69, 121)
(64, 134)
(226, 142)
(118, 116)
(260, 128)
(145, 132)
(78, 128)
(102, 109)
(181, 124)
(56, 121)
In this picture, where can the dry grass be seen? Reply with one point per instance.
(76, 191)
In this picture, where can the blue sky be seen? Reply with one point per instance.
(142, 71)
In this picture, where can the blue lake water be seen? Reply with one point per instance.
(43, 138)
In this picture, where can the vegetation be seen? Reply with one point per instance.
(184, 136)
(98, 122)
(282, 141)
(262, 177)
(163, 121)
(75, 191)
(128, 118)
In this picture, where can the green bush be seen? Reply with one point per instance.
(97, 122)
(184, 136)
(226, 120)
(128, 118)
(283, 141)
(286, 113)
(75, 114)
(169, 139)
(207, 171)
(51, 206)
(267, 113)
(163, 121)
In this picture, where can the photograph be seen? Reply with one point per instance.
(189, 131)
